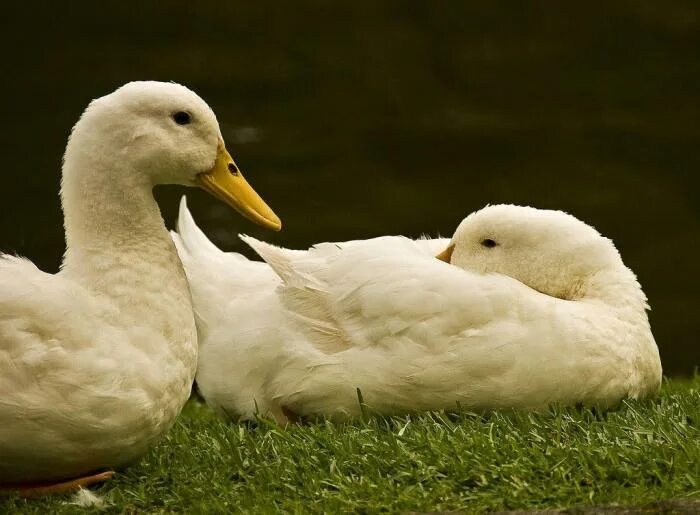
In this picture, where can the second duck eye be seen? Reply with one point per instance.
(182, 117)
(489, 243)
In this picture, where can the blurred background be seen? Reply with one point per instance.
(393, 117)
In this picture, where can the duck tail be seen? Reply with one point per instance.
(189, 239)
(274, 256)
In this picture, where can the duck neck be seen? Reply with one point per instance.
(116, 241)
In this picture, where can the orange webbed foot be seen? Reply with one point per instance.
(54, 488)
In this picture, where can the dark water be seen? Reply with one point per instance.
(392, 117)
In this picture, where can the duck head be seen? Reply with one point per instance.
(549, 251)
(163, 133)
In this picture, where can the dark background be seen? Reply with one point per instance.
(384, 117)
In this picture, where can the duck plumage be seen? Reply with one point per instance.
(414, 333)
(97, 360)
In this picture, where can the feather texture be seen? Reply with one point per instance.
(97, 361)
(415, 333)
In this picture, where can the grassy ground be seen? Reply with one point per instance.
(643, 452)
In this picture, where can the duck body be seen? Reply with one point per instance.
(87, 382)
(417, 344)
(97, 361)
(383, 316)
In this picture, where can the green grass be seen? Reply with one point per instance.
(643, 452)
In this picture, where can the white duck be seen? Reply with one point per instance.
(97, 361)
(535, 308)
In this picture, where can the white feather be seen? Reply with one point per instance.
(549, 314)
(84, 498)
(97, 361)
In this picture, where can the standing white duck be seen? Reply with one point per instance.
(97, 361)
(535, 307)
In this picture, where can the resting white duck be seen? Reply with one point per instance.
(532, 308)
(97, 361)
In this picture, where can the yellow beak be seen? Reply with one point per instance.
(446, 255)
(226, 183)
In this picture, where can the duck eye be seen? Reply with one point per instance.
(181, 118)
(489, 243)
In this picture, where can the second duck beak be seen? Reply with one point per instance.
(446, 255)
(226, 183)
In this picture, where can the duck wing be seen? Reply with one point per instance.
(221, 283)
(48, 335)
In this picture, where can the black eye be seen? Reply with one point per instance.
(181, 118)
(489, 243)
(233, 169)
